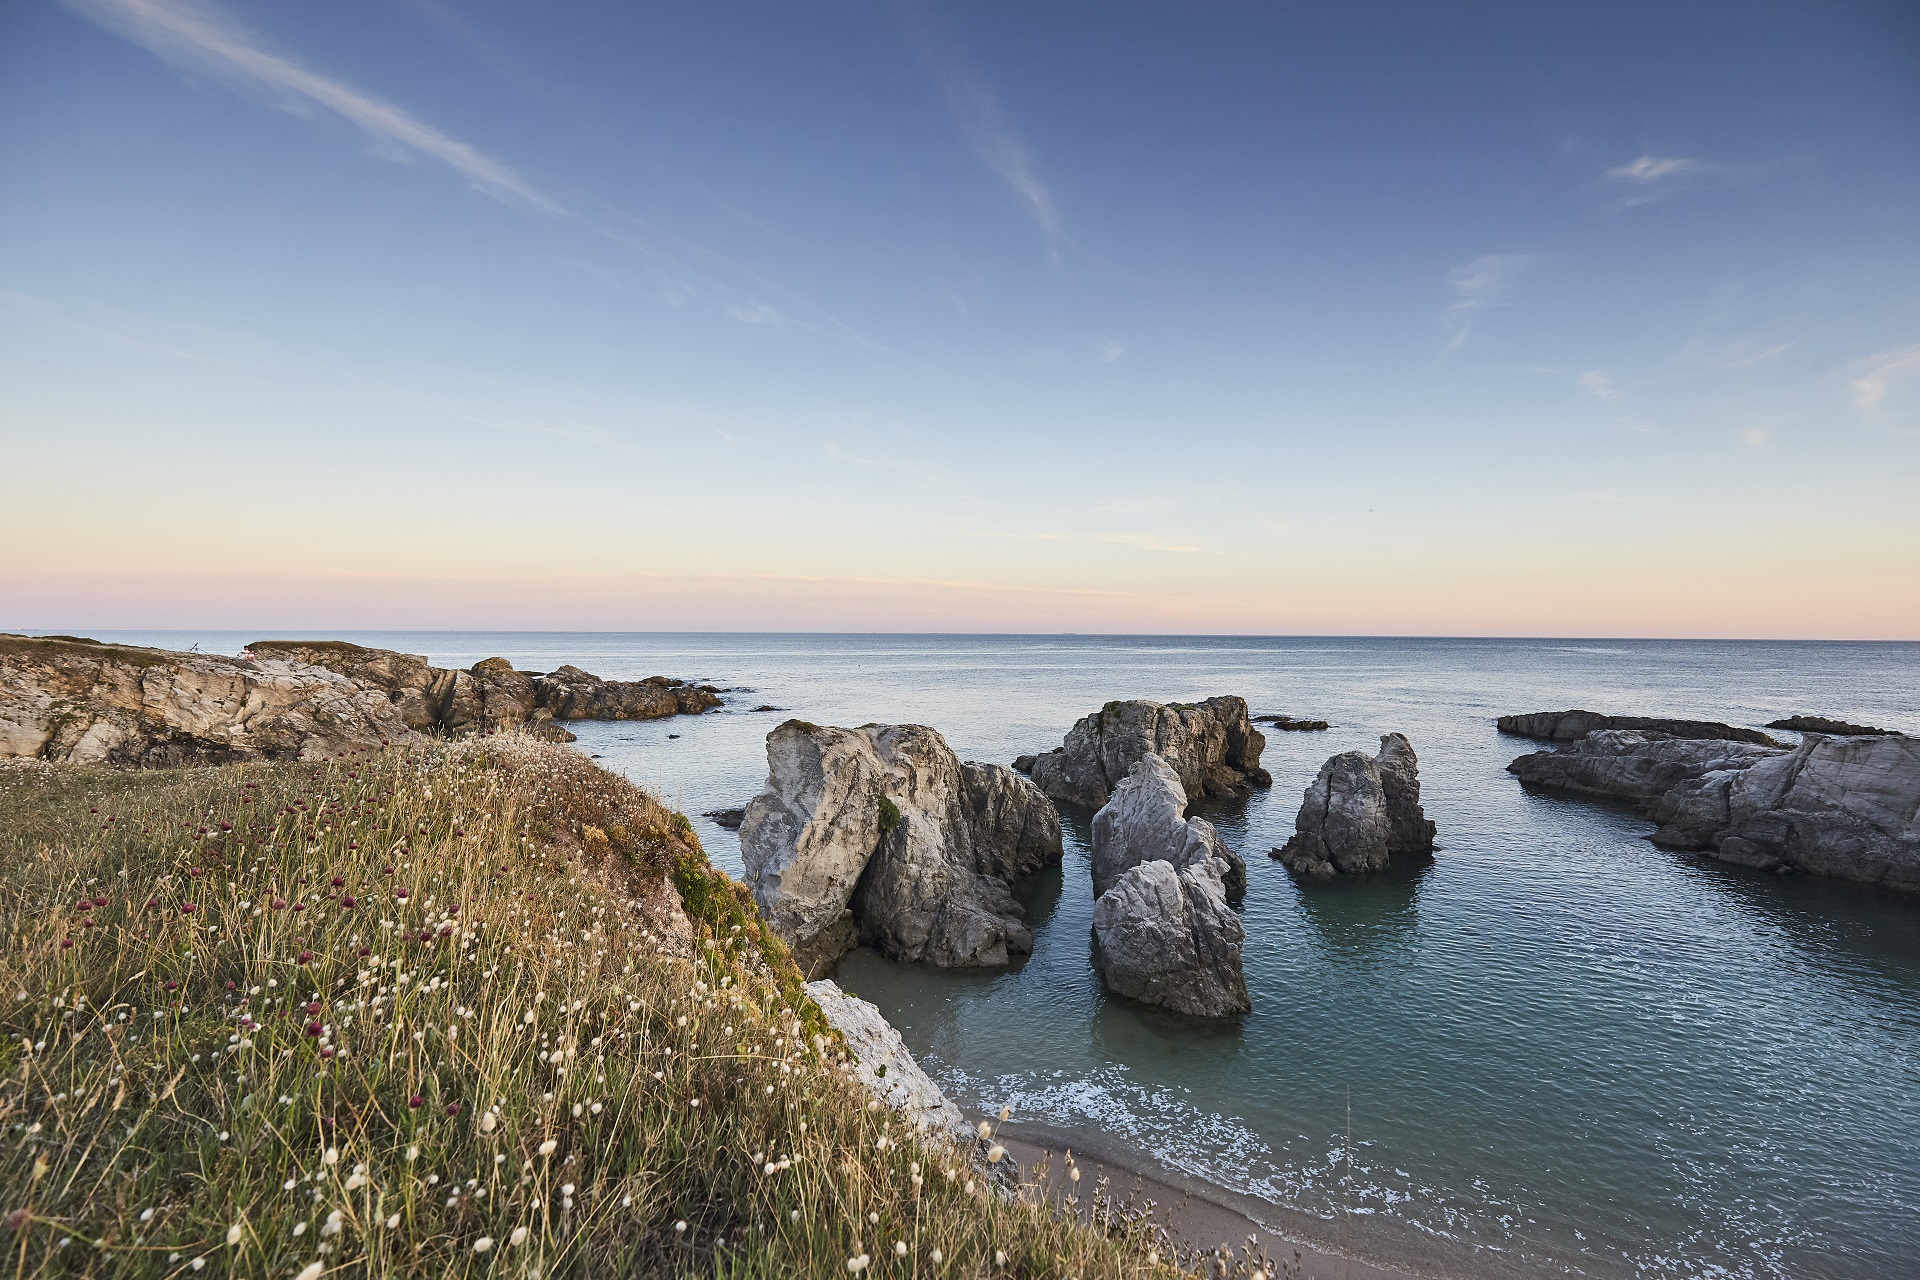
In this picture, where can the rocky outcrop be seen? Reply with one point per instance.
(1847, 807)
(82, 702)
(1566, 726)
(1290, 724)
(1211, 745)
(1835, 806)
(68, 698)
(1827, 725)
(572, 694)
(1168, 937)
(884, 1065)
(1359, 811)
(1145, 821)
(492, 695)
(881, 834)
(1638, 767)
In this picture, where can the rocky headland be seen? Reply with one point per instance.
(883, 835)
(1847, 807)
(70, 699)
(1358, 812)
(1164, 931)
(1212, 746)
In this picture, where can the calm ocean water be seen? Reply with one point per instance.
(1557, 1049)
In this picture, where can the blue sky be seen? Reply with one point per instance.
(1501, 319)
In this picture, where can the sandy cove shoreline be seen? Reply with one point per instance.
(1198, 1215)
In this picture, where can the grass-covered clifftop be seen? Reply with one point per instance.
(457, 1009)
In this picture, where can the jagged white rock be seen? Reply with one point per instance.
(883, 1063)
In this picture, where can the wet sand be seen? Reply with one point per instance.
(1198, 1216)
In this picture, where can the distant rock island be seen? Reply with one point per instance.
(1842, 806)
(75, 700)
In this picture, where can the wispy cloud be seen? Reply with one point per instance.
(198, 37)
(1654, 168)
(1109, 351)
(1878, 375)
(1476, 286)
(988, 130)
(1753, 437)
(1598, 385)
(756, 313)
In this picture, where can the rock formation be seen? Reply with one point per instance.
(881, 834)
(1847, 807)
(1291, 724)
(1565, 726)
(1145, 821)
(1211, 745)
(1827, 725)
(1165, 932)
(1359, 811)
(491, 695)
(78, 701)
(885, 1066)
(1168, 937)
(69, 699)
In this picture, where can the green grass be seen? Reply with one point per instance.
(458, 1009)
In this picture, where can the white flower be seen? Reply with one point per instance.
(680, 1226)
(519, 1236)
(487, 1122)
(938, 1257)
(311, 1271)
(483, 1244)
(899, 1248)
(859, 1264)
(393, 1222)
(332, 1157)
(999, 1257)
(996, 1153)
(566, 1188)
(548, 1147)
(233, 1234)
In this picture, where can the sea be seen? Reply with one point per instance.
(1551, 1049)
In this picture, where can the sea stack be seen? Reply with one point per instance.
(1359, 812)
(1165, 932)
(883, 835)
(1212, 746)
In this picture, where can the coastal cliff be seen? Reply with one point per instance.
(75, 700)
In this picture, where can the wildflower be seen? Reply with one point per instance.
(680, 1226)
(996, 1153)
(453, 1108)
(393, 1222)
(938, 1257)
(483, 1244)
(519, 1236)
(233, 1234)
(413, 1153)
(547, 1147)
(487, 1122)
(332, 1157)
(416, 1102)
(311, 1271)
(999, 1257)
(900, 1248)
(859, 1264)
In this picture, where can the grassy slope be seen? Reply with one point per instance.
(426, 1013)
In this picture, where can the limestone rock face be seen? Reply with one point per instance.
(1408, 828)
(882, 834)
(1565, 726)
(1626, 764)
(1168, 937)
(1847, 807)
(418, 691)
(77, 701)
(1144, 822)
(1342, 826)
(884, 1064)
(1359, 811)
(1212, 747)
(1834, 806)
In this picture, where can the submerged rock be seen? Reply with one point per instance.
(1288, 724)
(1824, 724)
(1168, 937)
(884, 1064)
(1145, 820)
(1358, 812)
(882, 834)
(1211, 745)
(1565, 726)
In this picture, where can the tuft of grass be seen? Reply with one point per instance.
(456, 1009)
(889, 815)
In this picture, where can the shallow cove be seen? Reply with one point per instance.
(1563, 1050)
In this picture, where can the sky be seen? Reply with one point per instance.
(1478, 319)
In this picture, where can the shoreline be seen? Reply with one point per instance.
(1198, 1214)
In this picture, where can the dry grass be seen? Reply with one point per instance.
(434, 1012)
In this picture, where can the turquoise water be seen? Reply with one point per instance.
(1557, 1048)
